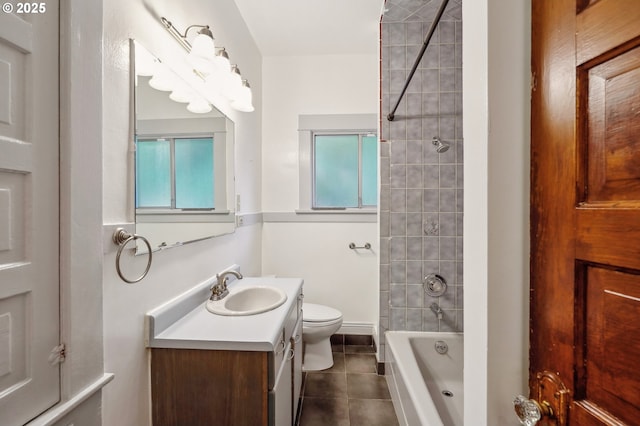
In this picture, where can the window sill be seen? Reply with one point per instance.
(323, 216)
(336, 211)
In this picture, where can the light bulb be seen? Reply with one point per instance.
(203, 44)
(222, 61)
(202, 52)
(244, 99)
(232, 84)
(199, 106)
(181, 94)
(163, 79)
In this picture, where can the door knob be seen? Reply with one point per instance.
(555, 399)
(530, 411)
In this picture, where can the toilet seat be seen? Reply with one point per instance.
(313, 313)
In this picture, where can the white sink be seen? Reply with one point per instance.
(248, 301)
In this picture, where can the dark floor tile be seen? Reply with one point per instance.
(372, 412)
(338, 364)
(324, 411)
(359, 349)
(360, 340)
(325, 385)
(360, 363)
(367, 386)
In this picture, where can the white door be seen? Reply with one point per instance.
(29, 222)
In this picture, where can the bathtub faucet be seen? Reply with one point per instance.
(437, 310)
(219, 289)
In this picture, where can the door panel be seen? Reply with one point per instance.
(585, 206)
(610, 127)
(612, 336)
(29, 222)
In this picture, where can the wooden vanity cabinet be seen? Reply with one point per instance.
(209, 387)
(228, 387)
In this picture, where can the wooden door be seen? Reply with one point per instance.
(585, 210)
(29, 278)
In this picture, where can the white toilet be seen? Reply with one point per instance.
(319, 322)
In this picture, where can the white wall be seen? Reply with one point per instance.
(334, 275)
(317, 252)
(496, 242)
(126, 399)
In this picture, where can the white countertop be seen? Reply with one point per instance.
(185, 323)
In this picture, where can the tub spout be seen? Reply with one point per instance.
(437, 310)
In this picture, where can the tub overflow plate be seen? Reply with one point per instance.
(441, 347)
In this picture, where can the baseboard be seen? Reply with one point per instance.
(357, 328)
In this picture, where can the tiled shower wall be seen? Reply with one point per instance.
(422, 190)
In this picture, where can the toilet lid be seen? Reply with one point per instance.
(319, 313)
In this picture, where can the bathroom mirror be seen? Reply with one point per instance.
(184, 159)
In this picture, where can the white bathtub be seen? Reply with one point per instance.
(425, 386)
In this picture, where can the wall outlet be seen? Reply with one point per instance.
(240, 220)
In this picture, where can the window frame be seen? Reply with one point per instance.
(162, 214)
(172, 168)
(308, 125)
(361, 135)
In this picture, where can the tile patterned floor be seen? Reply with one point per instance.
(350, 393)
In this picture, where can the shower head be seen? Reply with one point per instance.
(440, 146)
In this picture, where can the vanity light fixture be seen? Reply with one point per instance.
(182, 94)
(222, 61)
(213, 67)
(233, 83)
(201, 52)
(163, 78)
(202, 44)
(199, 106)
(244, 100)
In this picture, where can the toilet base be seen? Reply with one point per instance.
(317, 356)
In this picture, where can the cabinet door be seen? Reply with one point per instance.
(209, 387)
(280, 407)
(296, 342)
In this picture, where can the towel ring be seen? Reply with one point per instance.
(122, 238)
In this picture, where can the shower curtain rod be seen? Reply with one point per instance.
(427, 39)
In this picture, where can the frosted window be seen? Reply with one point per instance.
(153, 173)
(345, 170)
(175, 173)
(194, 173)
(336, 171)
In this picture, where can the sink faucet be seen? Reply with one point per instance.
(436, 310)
(219, 289)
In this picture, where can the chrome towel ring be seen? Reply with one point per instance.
(121, 238)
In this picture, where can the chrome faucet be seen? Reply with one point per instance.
(219, 289)
(436, 310)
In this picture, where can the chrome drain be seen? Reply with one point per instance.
(447, 393)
